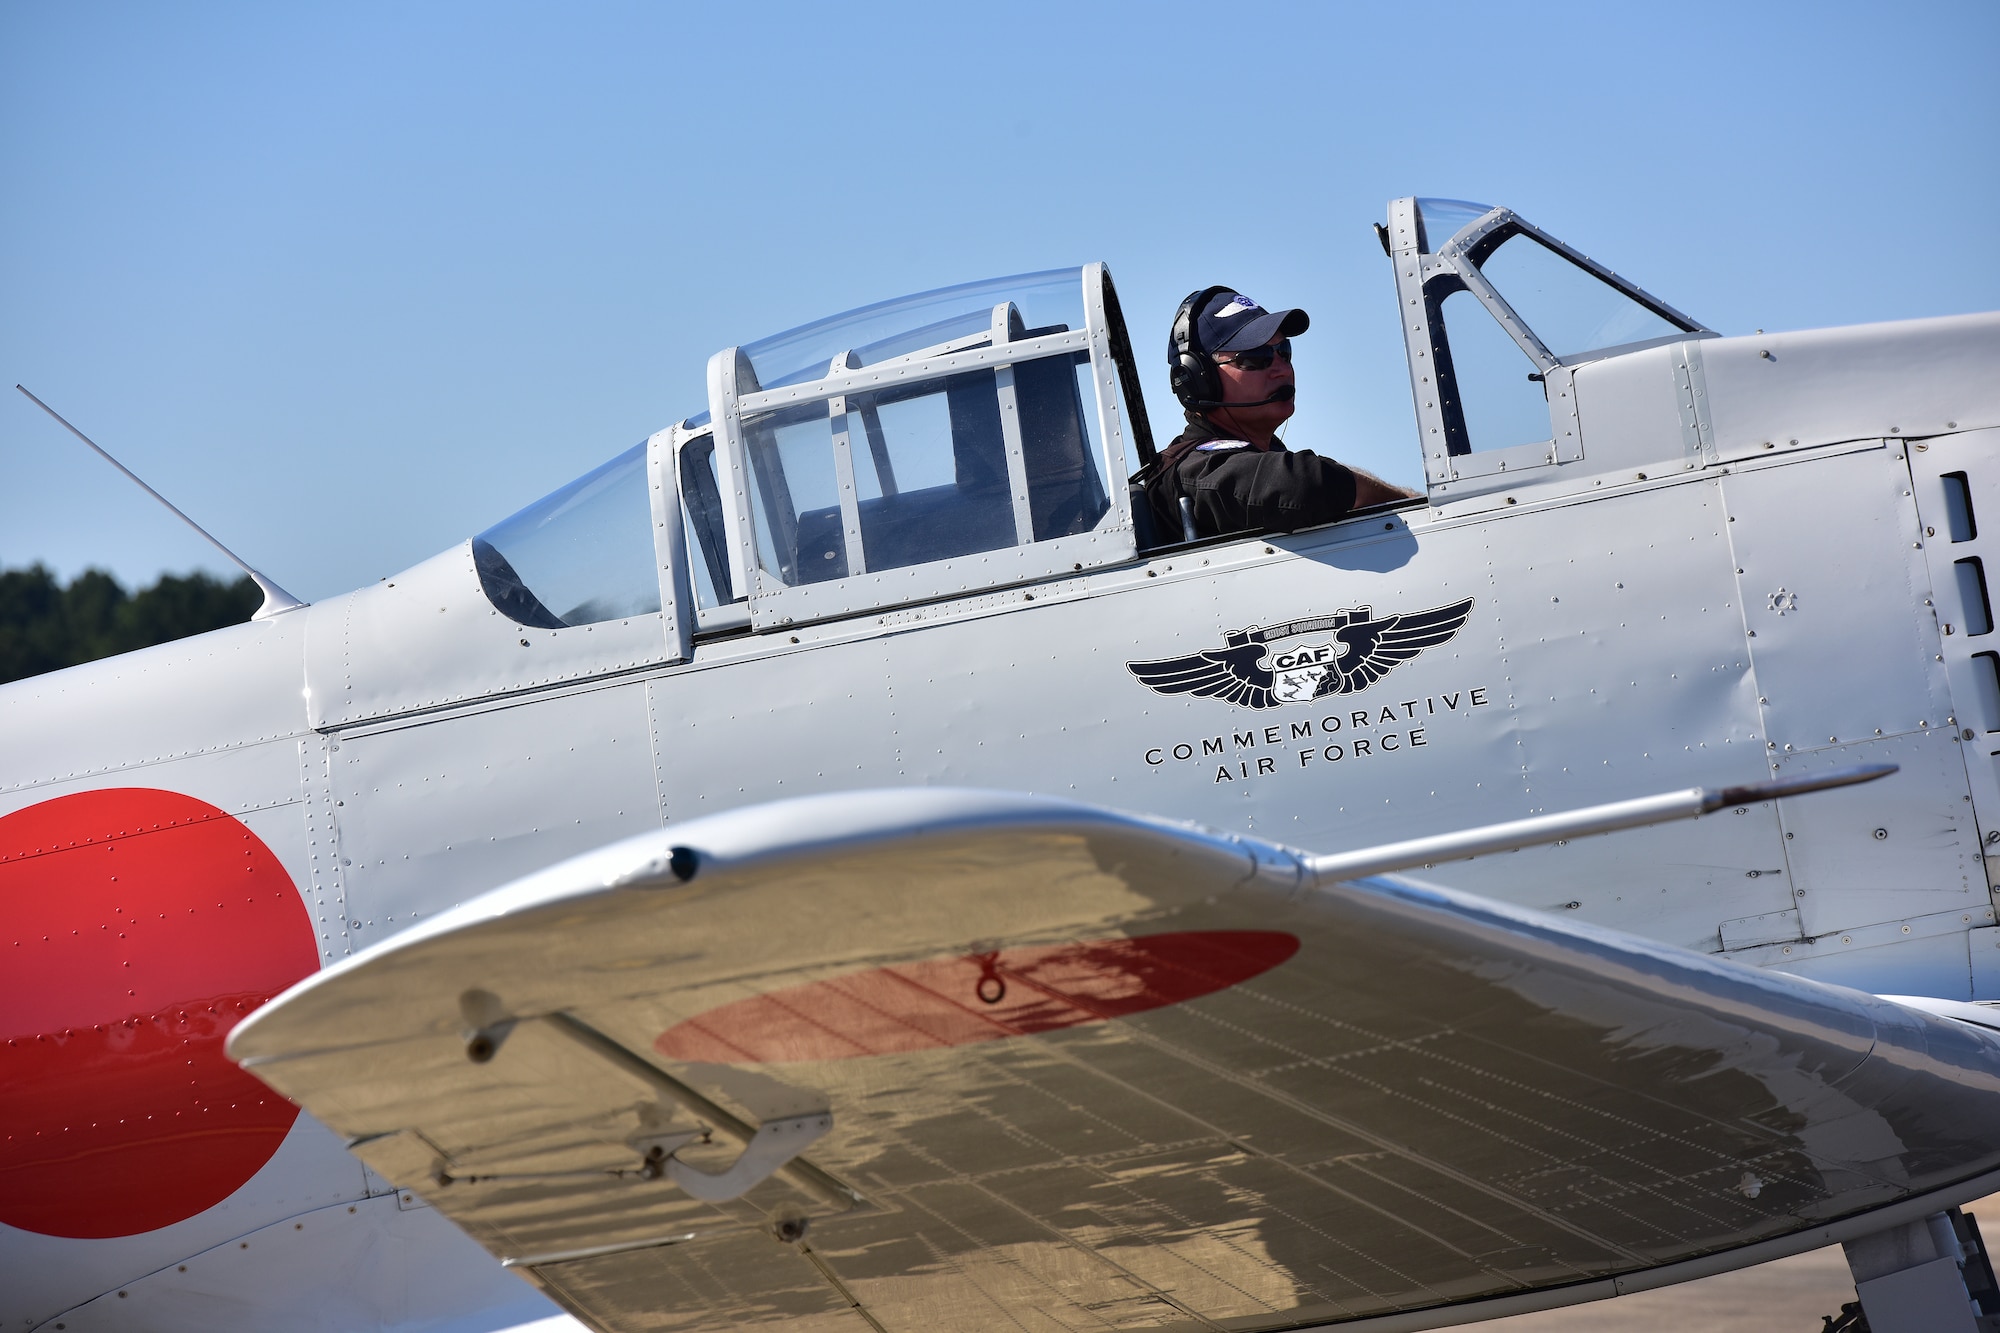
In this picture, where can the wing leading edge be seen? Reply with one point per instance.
(954, 1053)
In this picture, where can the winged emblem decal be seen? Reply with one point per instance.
(1248, 672)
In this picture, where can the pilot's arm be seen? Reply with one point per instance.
(1370, 489)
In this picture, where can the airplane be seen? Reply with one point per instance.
(835, 864)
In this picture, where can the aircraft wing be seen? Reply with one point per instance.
(933, 1060)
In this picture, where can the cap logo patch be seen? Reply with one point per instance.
(1236, 305)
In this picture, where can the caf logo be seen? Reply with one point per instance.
(1247, 672)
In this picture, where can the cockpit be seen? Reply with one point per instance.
(977, 438)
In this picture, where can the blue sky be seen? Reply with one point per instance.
(350, 283)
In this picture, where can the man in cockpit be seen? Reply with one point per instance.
(1231, 366)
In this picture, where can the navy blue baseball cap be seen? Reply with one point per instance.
(1234, 322)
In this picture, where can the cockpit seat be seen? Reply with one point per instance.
(937, 523)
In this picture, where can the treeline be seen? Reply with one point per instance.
(45, 626)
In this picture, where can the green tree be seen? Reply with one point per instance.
(33, 634)
(45, 626)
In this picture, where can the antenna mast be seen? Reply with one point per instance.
(276, 599)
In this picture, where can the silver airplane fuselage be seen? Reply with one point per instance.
(1735, 558)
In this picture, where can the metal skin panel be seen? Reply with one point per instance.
(213, 692)
(1983, 946)
(1630, 411)
(1975, 700)
(434, 814)
(1917, 954)
(429, 638)
(1691, 397)
(312, 1169)
(1936, 963)
(1037, 696)
(1820, 386)
(237, 780)
(324, 880)
(439, 1275)
(1862, 861)
(1621, 646)
(1437, 1099)
(775, 606)
(1835, 591)
(1929, 1298)
(278, 789)
(830, 727)
(1731, 402)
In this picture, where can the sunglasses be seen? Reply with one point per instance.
(1260, 358)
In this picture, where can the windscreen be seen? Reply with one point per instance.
(579, 555)
(1493, 383)
(1571, 309)
(1443, 219)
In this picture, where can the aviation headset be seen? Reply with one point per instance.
(1191, 370)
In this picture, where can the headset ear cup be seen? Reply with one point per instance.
(1191, 374)
(1194, 381)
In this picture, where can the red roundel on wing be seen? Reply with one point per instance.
(138, 927)
(975, 997)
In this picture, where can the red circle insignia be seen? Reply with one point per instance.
(139, 926)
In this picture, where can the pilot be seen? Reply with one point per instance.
(1230, 361)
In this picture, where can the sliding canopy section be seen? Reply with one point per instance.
(940, 444)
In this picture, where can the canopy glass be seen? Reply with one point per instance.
(889, 329)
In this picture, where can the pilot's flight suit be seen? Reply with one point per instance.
(1237, 488)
